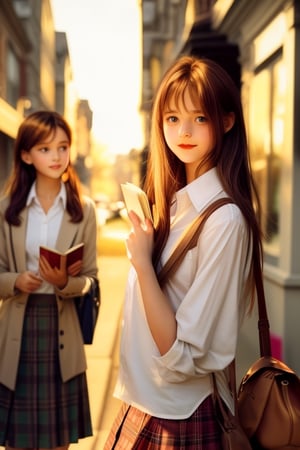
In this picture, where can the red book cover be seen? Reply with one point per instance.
(53, 256)
(74, 254)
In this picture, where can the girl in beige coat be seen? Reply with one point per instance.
(43, 390)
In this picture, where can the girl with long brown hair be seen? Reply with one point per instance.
(176, 335)
(44, 400)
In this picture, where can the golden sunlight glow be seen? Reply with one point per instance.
(105, 49)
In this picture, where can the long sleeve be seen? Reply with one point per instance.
(208, 296)
(208, 316)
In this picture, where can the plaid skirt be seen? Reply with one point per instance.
(135, 430)
(43, 411)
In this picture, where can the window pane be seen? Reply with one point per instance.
(278, 116)
(259, 135)
(266, 132)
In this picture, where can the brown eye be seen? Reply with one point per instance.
(201, 119)
(172, 119)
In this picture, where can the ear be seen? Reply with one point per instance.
(26, 157)
(228, 121)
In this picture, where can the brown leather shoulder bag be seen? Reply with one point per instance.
(269, 393)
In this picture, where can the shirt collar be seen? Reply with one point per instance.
(203, 189)
(62, 195)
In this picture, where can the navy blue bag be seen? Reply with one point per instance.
(87, 307)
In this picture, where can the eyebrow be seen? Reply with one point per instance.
(193, 111)
(49, 143)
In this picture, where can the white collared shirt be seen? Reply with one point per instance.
(42, 229)
(208, 296)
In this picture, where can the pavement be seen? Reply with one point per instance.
(103, 354)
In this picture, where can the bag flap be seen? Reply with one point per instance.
(267, 362)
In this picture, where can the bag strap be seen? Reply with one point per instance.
(219, 406)
(188, 239)
(263, 322)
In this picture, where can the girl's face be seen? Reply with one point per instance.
(50, 157)
(189, 135)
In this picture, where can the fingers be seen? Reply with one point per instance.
(28, 282)
(138, 223)
(135, 220)
(149, 225)
(75, 268)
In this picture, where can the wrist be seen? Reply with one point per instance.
(62, 285)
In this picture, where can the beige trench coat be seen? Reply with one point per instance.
(12, 305)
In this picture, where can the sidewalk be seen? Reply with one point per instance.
(102, 355)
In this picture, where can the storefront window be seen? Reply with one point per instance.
(266, 131)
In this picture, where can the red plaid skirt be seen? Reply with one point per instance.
(135, 430)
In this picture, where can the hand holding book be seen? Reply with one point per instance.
(53, 256)
(136, 200)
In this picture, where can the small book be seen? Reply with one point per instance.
(136, 200)
(53, 256)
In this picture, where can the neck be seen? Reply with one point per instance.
(47, 190)
(47, 196)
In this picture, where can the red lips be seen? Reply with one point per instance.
(186, 146)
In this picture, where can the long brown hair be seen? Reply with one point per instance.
(213, 91)
(35, 128)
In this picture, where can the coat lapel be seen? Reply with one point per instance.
(67, 233)
(18, 238)
(65, 240)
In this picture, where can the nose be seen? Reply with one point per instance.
(185, 131)
(55, 155)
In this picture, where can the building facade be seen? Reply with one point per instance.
(36, 73)
(14, 44)
(258, 43)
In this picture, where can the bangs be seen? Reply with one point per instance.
(175, 96)
(40, 128)
(33, 136)
(44, 134)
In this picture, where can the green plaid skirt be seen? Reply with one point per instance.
(43, 411)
